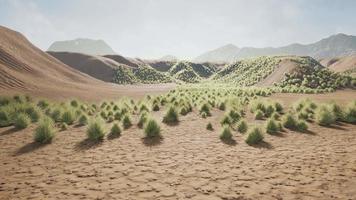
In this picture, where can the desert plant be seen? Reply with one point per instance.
(115, 130)
(242, 126)
(258, 115)
(95, 130)
(63, 126)
(142, 120)
(44, 132)
(155, 107)
(226, 133)
(171, 116)
(68, 117)
(21, 121)
(350, 113)
(83, 120)
(324, 115)
(152, 129)
(301, 126)
(255, 136)
(205, 109)
(209, 127)
(289, 121)
(226, 120)
(126, 122)
(272, 127)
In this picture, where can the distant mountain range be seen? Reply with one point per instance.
(333, 46)
(85, 46)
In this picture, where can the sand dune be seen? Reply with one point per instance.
(24, 68)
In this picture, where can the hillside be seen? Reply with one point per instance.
(112, 68)
(282, 71)
(346, 64)
(333, 46)
(24, 68)
(85, 46)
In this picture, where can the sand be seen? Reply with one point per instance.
(189, 163)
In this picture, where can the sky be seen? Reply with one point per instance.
(183, 28)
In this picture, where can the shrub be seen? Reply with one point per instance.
(95, 130)
(110, 119)
(63, 126)
(68, 117)
(325, 116)
(171, 116)
(83, 120)
(22, 121)
(269, 110)
(204, 115)
(115, 130)
(56, 115)
(350, 113)
(205, 109)
(144, 108)
(302, 126)
(152, 129)
(155, 107)
(142, 120)
(222, 106)
(4, 118)
(278, 106)
(209, 127)
(43, 104)
(44, 133)
(74, 103)
(183, 111)
(254, 136)
(34, 113)
(226, 120)
(242, 126)
(259, 115)
(272, 127)
(126, 122)
(338, 112)
(226, 133)
(234, 116)
(288, 121)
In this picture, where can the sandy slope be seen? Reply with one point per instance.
(26, 69)
(285, 66)
(190, 163)
(340, 64)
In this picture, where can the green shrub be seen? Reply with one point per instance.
(5, 118)
(338, 112)
(115, 130)
(95, 130)
(205, 109)
(272, 127)
(171, 116)
(155, 107)
(222, 106)
(325, 116)
(204, 115)
(74, 103)
(63, 126)
(43, 104)
(68, 117)
(288, 121)
(21, 121)
(183, 111)
(34, 113)
(302, 126)
(269, 110)
(152, 129)
(278, 107)
(56, 115)
(254, 136)
(83, 120)
(350, 113)
(110, 119)
(259, 115)
(126, 122)
(209, 127)
(117, 115)
(226, 133)
(226, 120)
(242, 126)
(44, 133)
(142, 120)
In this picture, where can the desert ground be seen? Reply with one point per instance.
(190, 162)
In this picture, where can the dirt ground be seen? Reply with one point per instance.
(189, 163)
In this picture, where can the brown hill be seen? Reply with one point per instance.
(340, 64)
(26, 69)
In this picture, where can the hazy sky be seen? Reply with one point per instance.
(184, 28)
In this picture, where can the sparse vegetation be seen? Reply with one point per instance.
(44, 133)
(152, 129)
(226, 133)
(95, 130)
(22, 121)
(171, 116)
(254, 136)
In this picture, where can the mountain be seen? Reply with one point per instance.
(223, 54)
(333, 46)
(85, 46)
(24, 68)
(169, 58)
